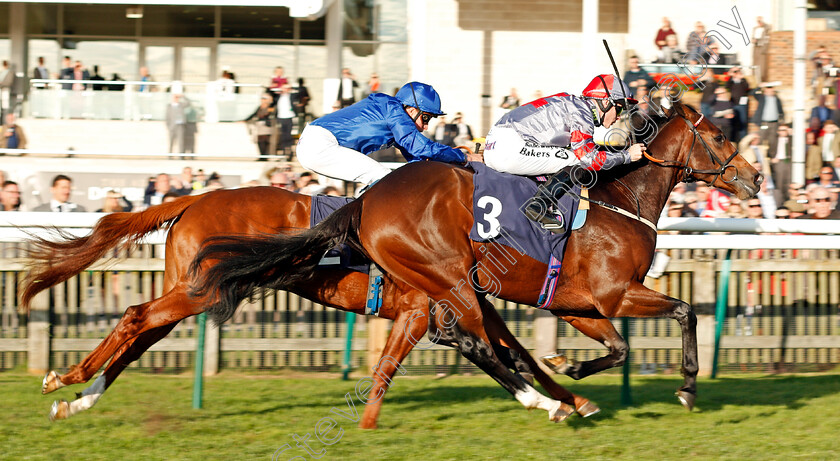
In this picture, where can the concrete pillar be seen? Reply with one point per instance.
(19, 51)
(590, 42)
(377, 337)
(417, 50)
(38, 359)
(545, 333)
(703, 302)
(212, 343)
(487, 82)
(335, 40)
(799, 70)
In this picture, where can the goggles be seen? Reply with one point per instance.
(426, 117)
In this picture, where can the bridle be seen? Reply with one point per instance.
(689, 173)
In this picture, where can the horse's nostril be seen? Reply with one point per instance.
(759, 178)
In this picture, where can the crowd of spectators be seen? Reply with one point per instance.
(752, 115)
(161, 188)
(272, 122)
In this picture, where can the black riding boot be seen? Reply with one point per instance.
(542, 208)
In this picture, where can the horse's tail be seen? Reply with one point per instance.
(53, 262)
(244, 265)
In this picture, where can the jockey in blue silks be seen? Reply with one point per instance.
(337, 144)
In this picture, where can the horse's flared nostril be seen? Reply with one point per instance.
(759, 178)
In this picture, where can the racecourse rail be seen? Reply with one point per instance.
(782, 307)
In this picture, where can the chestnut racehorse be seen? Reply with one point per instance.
(415, 223)
(243, 211)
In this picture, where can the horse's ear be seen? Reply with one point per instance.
(678, 107)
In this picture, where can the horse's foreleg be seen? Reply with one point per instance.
(409, 327)
(499, 332)
(640, 301)
(130, 351)
(601, 330)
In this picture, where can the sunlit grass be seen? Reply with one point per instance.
(250, 416)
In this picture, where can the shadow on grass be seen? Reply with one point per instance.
(791, 392)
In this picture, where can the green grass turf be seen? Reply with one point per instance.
(249, 416)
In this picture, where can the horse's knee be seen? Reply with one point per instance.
(619, 351)
(684, 314)
(475, 349)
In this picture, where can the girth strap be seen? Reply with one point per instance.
(547, 292)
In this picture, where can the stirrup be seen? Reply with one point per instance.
(546, 219)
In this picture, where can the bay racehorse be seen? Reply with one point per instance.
(415, 223)
(257, 210)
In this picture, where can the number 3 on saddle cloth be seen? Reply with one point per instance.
(498, 201)
(343, 256)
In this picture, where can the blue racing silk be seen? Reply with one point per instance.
(379, 121)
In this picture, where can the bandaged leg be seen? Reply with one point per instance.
(318, 151)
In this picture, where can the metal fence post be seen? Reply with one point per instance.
(626, 395)
(720, 309)
(348, 346)
(198, 383)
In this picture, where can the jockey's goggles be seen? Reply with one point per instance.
(619, 108)
(425, 117)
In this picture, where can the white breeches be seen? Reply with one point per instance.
(507, 152)
(318, 151)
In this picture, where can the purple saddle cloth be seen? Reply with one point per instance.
(498, 201)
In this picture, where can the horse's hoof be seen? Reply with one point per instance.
(60, 410)
(588, 409)
(558, 363)
(367, 424)
(687, 399)
(561, 412)
(51, 383)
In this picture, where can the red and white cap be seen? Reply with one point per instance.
(608, 86)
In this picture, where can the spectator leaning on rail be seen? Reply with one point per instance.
(61, 188)
(337, 144)
(549, 134)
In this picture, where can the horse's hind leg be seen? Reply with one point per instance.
(127, 353)
(499, 332)
(469, 336)
(409, 325)
(171, 307)
(601, 330)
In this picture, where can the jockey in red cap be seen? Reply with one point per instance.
(552, 133)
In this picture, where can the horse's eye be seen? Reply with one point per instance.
(719, 138)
